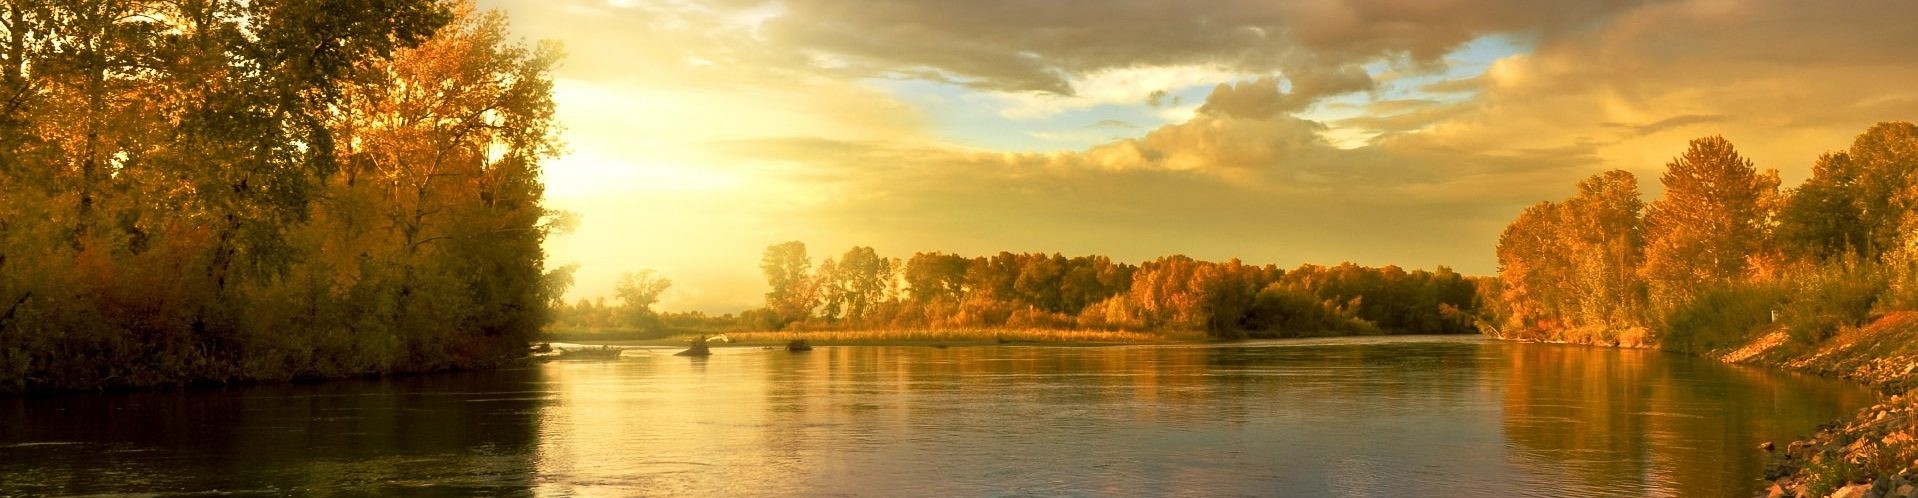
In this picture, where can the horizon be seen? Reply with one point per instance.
(1292, 134)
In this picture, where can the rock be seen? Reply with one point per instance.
(1851, 491)
(1905, 491)
(1767, 446)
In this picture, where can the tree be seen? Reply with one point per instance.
(933, 276)
(1532, 264)
(858, 282)
(1885, 159)
(788, 274)
(638, 292)
(232, 190)
(1607, 248)
(1713, 224)
(1824, 218)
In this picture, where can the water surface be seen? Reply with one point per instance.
(1422, 416)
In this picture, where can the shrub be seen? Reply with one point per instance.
(1721, 317)
(1828, 296)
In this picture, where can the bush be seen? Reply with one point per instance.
(1829, 296)
(1722, 317)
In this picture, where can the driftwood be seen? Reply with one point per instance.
(698, 350)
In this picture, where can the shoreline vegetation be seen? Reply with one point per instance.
(1820, 279)
(921, 337)
(861, 290)
(263, 192)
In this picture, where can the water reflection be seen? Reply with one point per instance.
(1652, 423)
(442, 435)
(1367, 417)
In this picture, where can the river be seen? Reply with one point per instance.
(1394, 416)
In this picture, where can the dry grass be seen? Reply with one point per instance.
(956, 336)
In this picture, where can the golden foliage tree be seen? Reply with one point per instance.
(1713, 224)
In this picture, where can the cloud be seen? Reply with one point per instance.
(1024, 47)
(1334, 129)
(1783, 80)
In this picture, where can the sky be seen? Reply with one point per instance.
(1405, 132)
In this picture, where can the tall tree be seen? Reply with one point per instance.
(1885, 158)
(861, 279)
(1532, 263)
(1825, 217)
(788, 275)
(1607, 247)
(1712, 225)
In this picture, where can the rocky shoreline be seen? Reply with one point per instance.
(1875, 452)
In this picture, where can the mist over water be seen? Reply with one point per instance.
(1440, 416)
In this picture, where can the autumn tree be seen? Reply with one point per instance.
(789, 276)
(1712, 225)
(1884, 160)
(227, 190)
(1533, 261)
(1825, 217)
(855, 285)
(1601, 227)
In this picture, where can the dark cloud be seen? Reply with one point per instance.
(1038, 46)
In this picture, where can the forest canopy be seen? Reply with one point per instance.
(228, 190)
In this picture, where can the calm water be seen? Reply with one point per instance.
(1372, 417)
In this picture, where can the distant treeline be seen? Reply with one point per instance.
(1723, 255)
(862, 290)
(232, 190)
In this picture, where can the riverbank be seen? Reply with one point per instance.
(1873, 453)
(941, 337)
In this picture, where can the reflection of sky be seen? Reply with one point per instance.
(1356, 417)
(1382, 416)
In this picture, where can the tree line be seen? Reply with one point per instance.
(231, 190)
(1721, 253)
(860, 289)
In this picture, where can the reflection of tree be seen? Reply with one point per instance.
(444, 434)
(1567, 404)
(1650, 421)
